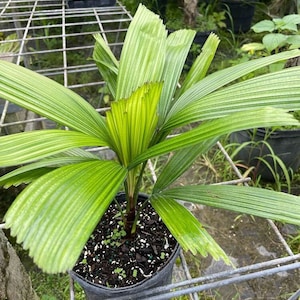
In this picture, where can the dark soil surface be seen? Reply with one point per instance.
(111, 260)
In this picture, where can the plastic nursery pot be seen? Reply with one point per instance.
(90, 3)
(199, 40)
(162, 277)
(284, 143)
(240, 14)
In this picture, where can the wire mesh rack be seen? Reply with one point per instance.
(56, 41)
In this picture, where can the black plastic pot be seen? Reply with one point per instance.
(162, 277)
(240, 14)
(90, 3)
(284, 143)
(199, 40)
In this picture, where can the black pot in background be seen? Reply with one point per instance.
(241, 14)
(284, 143)
(201, 37)
(90, 3)
(199, 40)
(160, 278)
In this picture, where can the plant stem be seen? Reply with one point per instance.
(130, 218)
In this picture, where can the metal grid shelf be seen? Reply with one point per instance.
(58, 42)
(51, 39)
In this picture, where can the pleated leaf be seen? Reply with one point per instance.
(50, 99)
(279, 89)
(223, 77)
(265, 117)
(55, 215)
(106, 63)
(202, 63)
(178, 46)
(143, 53)
(249, 200)
(24, 177)
(132, 122)
(30, 146)
(179, 163)
(28, 173)
(187, 230)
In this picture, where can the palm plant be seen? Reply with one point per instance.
(69, 188)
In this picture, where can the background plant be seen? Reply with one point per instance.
(280, 34)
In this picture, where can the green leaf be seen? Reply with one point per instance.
(30, 146)
(290, 27)
(50, 99)
(223, 77)
(179, 163)
(265, 25)
(178, 46)
(292, 18)
(132, 122)
(23, 177)
(253, 47)
(61, 209)
(143, 53)
(249, 200)
(189, 232)
(28, 173)
(202, 63)
(265, 117)
(282, 91)
(106, 63)
(274, 41)
(294, 41)
(11, 45)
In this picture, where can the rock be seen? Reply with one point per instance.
(15, 283)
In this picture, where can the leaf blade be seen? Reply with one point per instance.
(179, 163)
(201, 64)
(265, 117)
(282, 91)
(190, 234)
(249, 200)
(223, 77)
(106, 63)
(50, 99)
(143, 53)
(61, 209)
(178, 45)
(30, 146)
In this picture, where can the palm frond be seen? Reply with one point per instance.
(178, 46)
(143, 53)
(265, 117)
(223, 77)
(107, 63)
(187, 230)
(61, 209)
(179, 163)
(201, 64)
(30, 146)
(50, 99)
(249, 200)
(132, 122)
(29, 173)
(279, 89)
